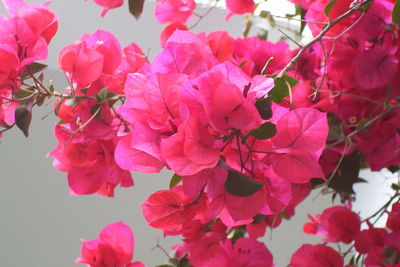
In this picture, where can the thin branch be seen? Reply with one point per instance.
(351, 95)
(366, 125)
(319, 37)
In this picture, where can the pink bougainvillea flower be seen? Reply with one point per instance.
(370, 239)
(106, 44)
(227, 110)
(337, 224)
(114, 247)
(375, 68)
(254, 54)
(300, 139)
(393, 221)
(248, 252)
(316, 256)
(39, 18)
(191, 149)
(93, 55)
(174, 11)
(184, 53)
(239, 7)
(221, 44)
(132, 159)
(84, 64)
(9, 62)
(108, 4)
(169, 210)
(169, 30)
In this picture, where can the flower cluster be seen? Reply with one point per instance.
(247, 126)
(24, 37)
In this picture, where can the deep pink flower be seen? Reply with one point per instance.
(393, 221)
(174, 11)
(337, 224)
(108, 4)
(114, 247)
(375, 68)
(84, 64)
(240, 7)
(316, 256)
(248, 252)
(169, 30)
(221, 44)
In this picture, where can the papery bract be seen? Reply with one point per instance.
(337, 224)
(174, 11)
(114, 247)
(316, 256)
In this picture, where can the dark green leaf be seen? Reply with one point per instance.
(136, 7)
(361, 124)
(335, 128)
(51, 89)
(175, 180)
(96, 109)
(237, 233)
(346, 176)
(34, 68)
(165, 265)
(101, 95)
(40, 100)
(57, 108)
(265, 131)
(23, 117)
(84, 90)
(329, 6)
(394, 168)
(23, 95)
(241, 185)
(110, 95)
(395, 187)
(281, 88)
(396, 13)
(391, 256)
(264, 107)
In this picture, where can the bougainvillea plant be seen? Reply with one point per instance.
(249, 127)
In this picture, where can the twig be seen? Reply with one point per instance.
(366, 125)
(319, 37)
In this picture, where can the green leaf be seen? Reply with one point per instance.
(23, 118)
(335, 128)
(84, 90)
(391, 256)
(51, 89)
(396, 13)
(34, 68)
(281, 88)
(136, 7)
(394, 168)
(96, 109)
(361, 124)
(264, 107)
(22, 96)
(346, 176)
(395, 187)
(175, 180)
(40, 100)
(329, 6)
(241, 185)
(101, 95)
(265, 131)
